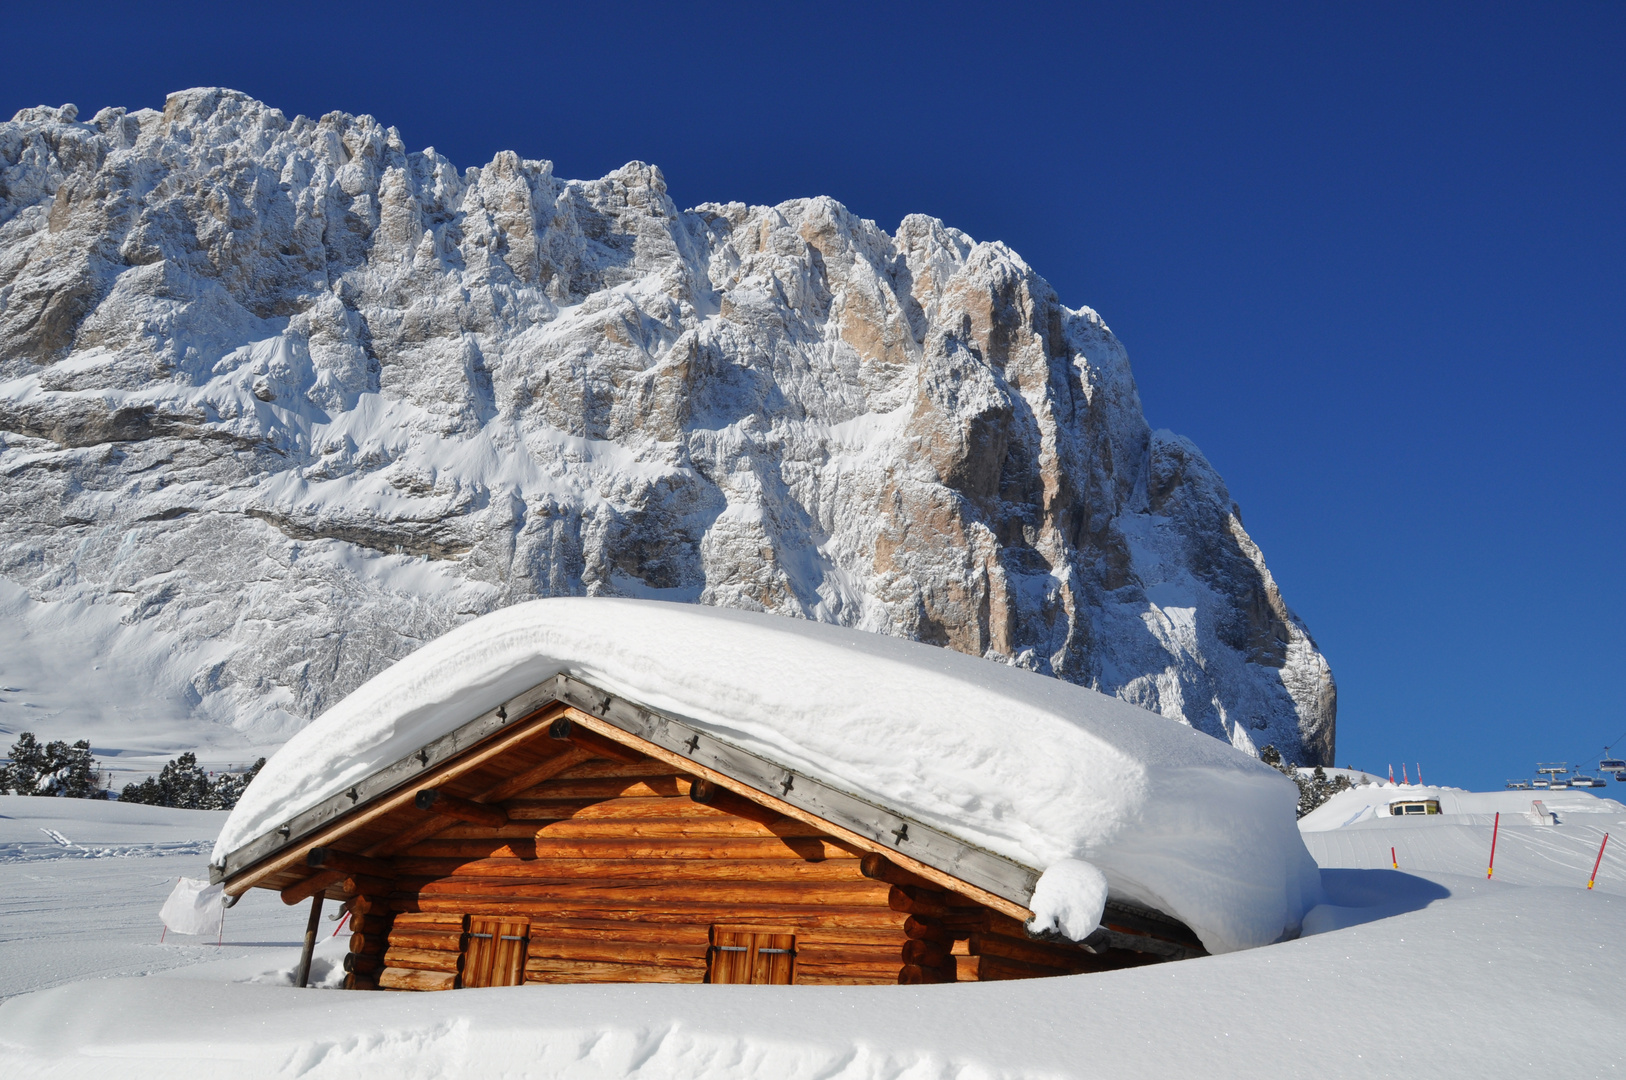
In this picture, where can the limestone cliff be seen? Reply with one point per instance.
(302, 399)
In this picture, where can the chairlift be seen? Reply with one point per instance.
(1542, 783)
(1614, 765)
(1518, 785)
(1581, 780)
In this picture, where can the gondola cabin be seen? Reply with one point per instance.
(570, 836)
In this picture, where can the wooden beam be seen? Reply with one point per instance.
(315, 885)
(542, 845)
(413, 979)
(294, 855)
(377, 906)
(571, 757)
(925, 953)
(372, 943)
(302, 973)
(368, 924)
(507, 789)
(683, 764)
(442, 922)
(436, 801)
(884, 869)
(722, 893)
(615, 952)
(589, 971)
(357, 885)
(631, 869)
(918, 929)
(565, 730)
(925, 903)
(448, 940)
(915, 975)
(1039, 953)
(326, 858)
(423, 959)
(717, 797)
(664, 912)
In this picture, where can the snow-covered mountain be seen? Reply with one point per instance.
(296, 400)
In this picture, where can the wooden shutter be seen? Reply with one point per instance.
(760, 956)
(496, 952)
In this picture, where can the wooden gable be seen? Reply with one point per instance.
(561, 849)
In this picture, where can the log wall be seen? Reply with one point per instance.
(619, 874)
(622, 875)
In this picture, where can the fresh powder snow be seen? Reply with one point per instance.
(1432, 972)
(1030, 767)
(1069, 899)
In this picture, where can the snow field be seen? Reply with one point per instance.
(1400, 974)
(1354, 829)
(81, 883)
(1482, 982)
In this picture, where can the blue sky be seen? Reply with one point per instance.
(1372, 258)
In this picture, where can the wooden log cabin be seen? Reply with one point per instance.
(571, 836)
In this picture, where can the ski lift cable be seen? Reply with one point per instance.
(1616, 741)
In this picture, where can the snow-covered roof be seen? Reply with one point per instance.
(1043, 772)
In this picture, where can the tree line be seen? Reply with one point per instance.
(71, 772)
(1314, 789)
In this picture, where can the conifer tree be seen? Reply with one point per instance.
(56, 769)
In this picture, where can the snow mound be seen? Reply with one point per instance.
(1033, 768)
(1069, 898)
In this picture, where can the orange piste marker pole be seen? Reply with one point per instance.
(1599, 863)
(1494, 830)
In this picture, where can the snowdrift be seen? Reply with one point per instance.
(1038, 770)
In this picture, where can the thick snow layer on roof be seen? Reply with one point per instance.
(1028, 766)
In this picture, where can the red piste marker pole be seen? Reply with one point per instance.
(1494, 830)
(1394, 861)
(1599, 863)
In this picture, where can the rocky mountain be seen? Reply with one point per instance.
(296, 400)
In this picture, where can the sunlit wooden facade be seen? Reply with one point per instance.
(568, 836)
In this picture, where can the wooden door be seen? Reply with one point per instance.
(751, 955)
(496, 952)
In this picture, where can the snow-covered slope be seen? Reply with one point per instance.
(1422, 973)
(1555, 842)
(81, 882)
(1475, 980)
(294, 401)
(1032, 768)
